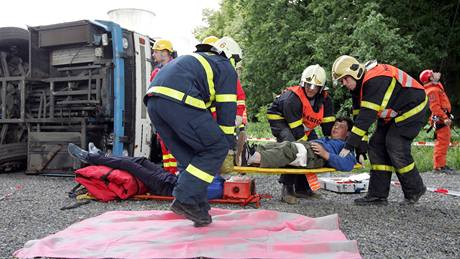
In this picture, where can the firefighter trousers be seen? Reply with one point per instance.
(390, 150)
(195, 140)
(441, 145)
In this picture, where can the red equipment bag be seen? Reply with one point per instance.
(106, 184)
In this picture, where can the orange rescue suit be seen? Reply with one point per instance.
(440, 108)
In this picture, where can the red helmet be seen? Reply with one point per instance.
(425, 76)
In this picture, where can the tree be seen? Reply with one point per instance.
(281, 37)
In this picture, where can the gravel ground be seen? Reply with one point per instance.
(430, 229)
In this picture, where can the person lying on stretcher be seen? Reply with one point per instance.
(309, 154)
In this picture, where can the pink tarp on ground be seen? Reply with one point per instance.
(163, 234)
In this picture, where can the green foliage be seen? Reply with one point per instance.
(281, 37)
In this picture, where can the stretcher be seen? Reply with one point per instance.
(260, 170)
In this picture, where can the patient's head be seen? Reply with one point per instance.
(341, 128)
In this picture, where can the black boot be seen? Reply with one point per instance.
(193, 212)
(414, 199)
(371, 200)
(302, 188)
(287, 194)
(306, 194)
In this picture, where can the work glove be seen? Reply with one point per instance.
(238, 120)
(361, 151)
(436, 76)
(227, 166)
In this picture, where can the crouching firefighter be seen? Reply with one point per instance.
(294, 115)
(399, 102)
(177, 102)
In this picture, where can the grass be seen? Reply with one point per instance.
(423, 156)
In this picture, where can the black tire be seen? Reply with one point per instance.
(15, 36)
(13, 152)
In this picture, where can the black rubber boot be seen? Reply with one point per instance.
(199, 216)
(414, 199)
(287, 194)
(371, 200)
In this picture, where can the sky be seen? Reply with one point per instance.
(173, 20)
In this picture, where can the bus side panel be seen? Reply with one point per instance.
(143, 129)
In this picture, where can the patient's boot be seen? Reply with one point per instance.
(287, 194)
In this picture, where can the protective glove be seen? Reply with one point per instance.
(238, 120)
(227, 166)
(361, 151)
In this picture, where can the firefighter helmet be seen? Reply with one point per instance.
(229, 47)
(314, 75)
(210, 40)
(163, 44)
(347, 66)
(425, 76)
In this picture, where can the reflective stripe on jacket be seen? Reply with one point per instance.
(398, 75)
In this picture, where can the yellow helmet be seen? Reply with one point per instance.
(163, 44)
(347, 66)
(210, 40)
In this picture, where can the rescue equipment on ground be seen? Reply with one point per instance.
(352, 184)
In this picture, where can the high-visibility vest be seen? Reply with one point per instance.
(403, 79)
(310, 118)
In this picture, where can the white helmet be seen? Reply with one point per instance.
(314, 75)
(229, 47)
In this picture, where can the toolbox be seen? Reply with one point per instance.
(239, 188)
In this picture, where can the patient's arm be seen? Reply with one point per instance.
(333, 160)
(320, 150)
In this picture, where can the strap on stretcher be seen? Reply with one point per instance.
(260, 170)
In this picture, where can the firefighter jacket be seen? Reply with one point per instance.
(388, 94)
(240, 102)
(200, 80)
(301, 114)
(439, 102)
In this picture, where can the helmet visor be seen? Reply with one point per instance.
(310, 86)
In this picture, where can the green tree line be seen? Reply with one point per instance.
(281, 37)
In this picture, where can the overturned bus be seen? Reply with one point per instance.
(76, 82)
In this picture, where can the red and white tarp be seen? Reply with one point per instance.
(163, 234)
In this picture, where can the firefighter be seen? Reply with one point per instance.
(294, 115)
(177, 102)
(163, 53)
(399, 102)
(241, 117)
(440, 119)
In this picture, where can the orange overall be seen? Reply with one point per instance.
(440, 109)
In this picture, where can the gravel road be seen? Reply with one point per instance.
(430, 229)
